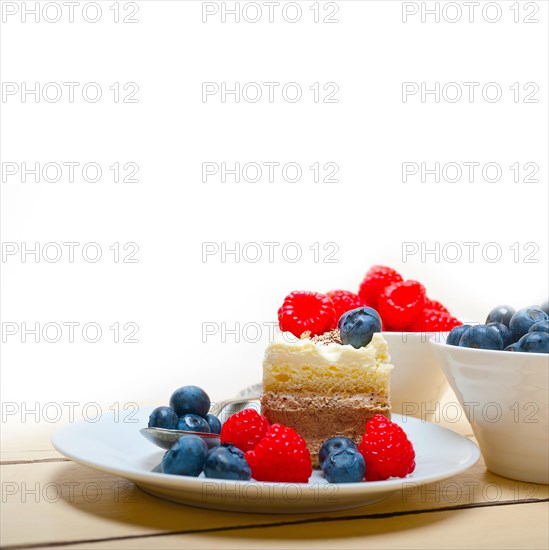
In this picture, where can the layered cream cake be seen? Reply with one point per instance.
(323, 388)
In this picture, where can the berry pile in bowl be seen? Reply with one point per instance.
(251, 448)
(401, 310)
(525, 330)
(499, 372)
(400, 305)
(403, 304)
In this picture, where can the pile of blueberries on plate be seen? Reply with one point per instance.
(189, 456)
(341, 461)
(525, 330)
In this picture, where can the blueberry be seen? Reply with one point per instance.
(214, 423)
(163, 417)
(504, 332)
(344, 466)
(186, 457)
(192, 423)
(456, 333)
(511, 347)
(540, 326)
(190, 399)
(333, 444)
(227, 462)
(523, 319)
(357, 326)
(482, 337)
(500, 314)
(369, 310)
(545, 307)
(534, 342)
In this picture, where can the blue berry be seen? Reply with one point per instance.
(344, 466)
(190, 399)
(545, 306)
(214, 423)
(504, 332)
(163, 417)
(500, 314)
(366, 309)
(482, 337)
(524, 318)
(456, 333)
(192, 423)
(333, 444)
(186, 457)
(540, 326)
(227, 462)
(357, 326)
(534, 342)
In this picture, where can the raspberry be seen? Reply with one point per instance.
(376, 280)
(386, 450)
(402, 304)
(433, 304)
(436, 321)
(344, 301)
(307, 311)
(281, 455)
(244, 429)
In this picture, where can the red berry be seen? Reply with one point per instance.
(307, 311)
(433, 304)
(376, 280)
(344, 301)
(436, 321)
(281, 455)
(244, 429)
(402, 304)
(386, 450)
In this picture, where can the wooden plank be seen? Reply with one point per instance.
(21, 457)
(27, 429)
(45, 503)
(495, 527)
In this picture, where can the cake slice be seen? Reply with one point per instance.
(323, 388)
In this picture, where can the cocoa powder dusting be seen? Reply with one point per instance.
(330, 337)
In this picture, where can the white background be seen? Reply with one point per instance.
(172, 291)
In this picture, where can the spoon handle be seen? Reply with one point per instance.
(217, 408)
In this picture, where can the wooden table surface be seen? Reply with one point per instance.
(50, 501)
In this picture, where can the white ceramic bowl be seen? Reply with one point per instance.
(505, 396)
(417, 381)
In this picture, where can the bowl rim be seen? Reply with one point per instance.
(523, 354)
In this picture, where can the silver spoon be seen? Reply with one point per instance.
(166, 438)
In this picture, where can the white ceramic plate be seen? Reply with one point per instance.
(118, 448)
